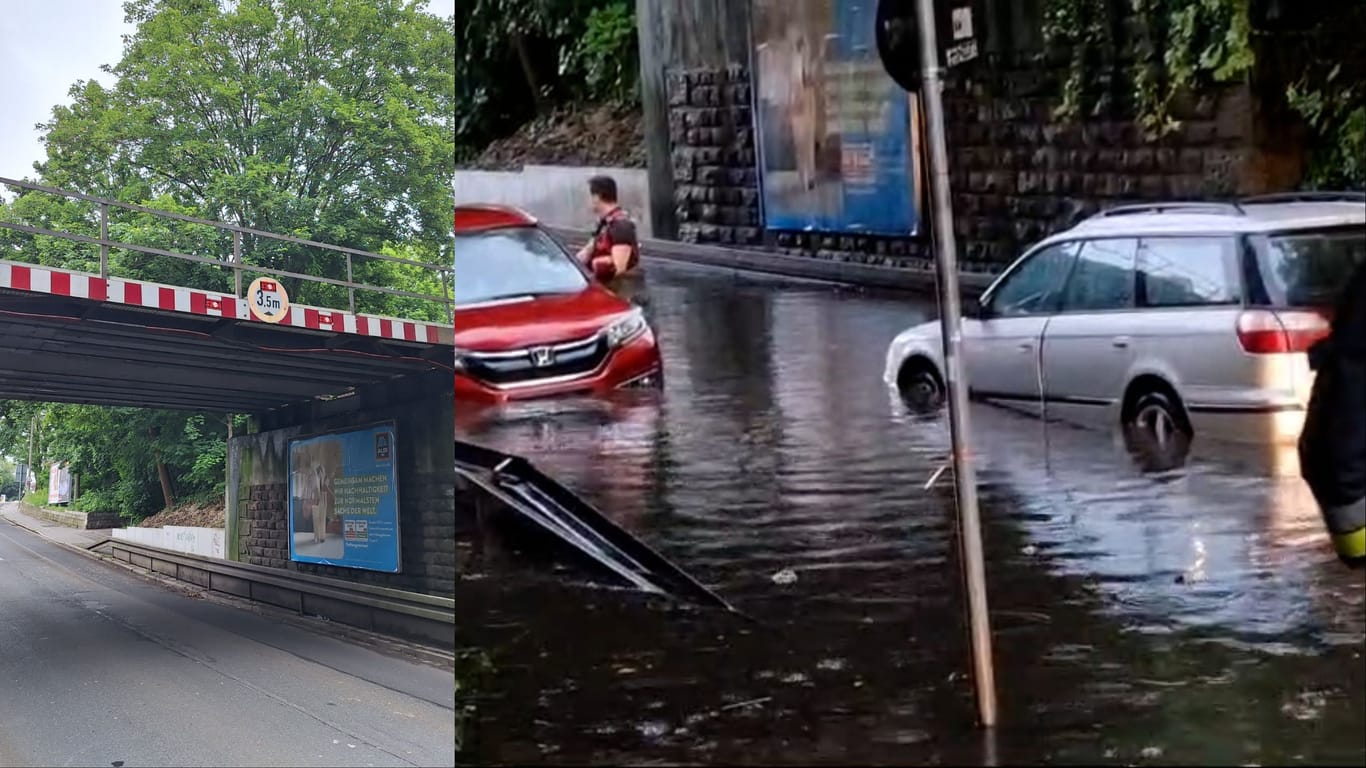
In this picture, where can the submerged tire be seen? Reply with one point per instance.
(920, 386)
(1157, 431)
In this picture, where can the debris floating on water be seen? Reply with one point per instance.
(784, 577)
(747, 703)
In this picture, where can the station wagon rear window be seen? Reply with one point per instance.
(1310, 268)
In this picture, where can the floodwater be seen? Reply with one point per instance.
(1195, 616)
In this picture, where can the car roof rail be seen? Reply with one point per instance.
(1176, 207)
(1310, 196)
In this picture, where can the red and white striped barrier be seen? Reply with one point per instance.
(136, 293)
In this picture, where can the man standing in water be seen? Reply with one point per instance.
(1333, 442)
(615, 249)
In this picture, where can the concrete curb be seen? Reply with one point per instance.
(920, 281)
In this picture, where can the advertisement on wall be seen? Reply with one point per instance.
(343, 499)
(59, 485)
(838, 139)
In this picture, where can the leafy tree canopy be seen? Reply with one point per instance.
(329, 120)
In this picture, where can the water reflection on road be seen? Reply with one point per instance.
(1195, 615)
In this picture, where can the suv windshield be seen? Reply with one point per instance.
(510, 263)
(1310, 268)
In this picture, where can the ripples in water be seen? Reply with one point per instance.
(1182, 612)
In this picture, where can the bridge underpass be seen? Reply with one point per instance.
(75, 334)
(71, 336)
(105, 338)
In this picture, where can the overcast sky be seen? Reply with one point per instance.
(45, 47)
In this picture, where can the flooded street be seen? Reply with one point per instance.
(1192, 616)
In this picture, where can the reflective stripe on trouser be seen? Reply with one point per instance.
(1347, 525)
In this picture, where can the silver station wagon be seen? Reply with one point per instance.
(1174, 319)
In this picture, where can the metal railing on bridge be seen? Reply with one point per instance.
(234, 260)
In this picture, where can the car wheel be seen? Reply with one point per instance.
(920, 387)
(1158, 432)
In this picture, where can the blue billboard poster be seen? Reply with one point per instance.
(343, 499)
(838, 139)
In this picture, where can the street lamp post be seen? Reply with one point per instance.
(951, 323)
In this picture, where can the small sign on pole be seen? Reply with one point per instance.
(964, 48)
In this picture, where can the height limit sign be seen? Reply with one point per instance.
(268, 300)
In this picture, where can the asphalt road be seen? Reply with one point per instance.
(100, 667)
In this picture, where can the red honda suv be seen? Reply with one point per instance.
(530, 321)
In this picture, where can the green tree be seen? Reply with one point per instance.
(330, 120)
(133, 461)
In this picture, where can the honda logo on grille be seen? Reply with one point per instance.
(542, 357)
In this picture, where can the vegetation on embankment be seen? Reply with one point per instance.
(523, 65)
(330, 120)
(195, 514)
(1153, 53)
(607, 135)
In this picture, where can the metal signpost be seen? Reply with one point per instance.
(951, 324)
(900, 46)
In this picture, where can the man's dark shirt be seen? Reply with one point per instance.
(1333, 443)
(616, 228)
(619, 231)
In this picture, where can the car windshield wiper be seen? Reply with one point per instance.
(509, 298)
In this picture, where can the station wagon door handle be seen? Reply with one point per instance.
(1121, 342)
(1026, 347)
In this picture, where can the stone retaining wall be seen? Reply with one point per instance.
(87, 521)
(1018, 174)
(557, 195)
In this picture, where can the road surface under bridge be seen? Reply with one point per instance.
(104, 667)
(78, 337)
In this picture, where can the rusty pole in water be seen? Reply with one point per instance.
(951, 324)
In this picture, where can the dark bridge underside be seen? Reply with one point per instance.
(57, 349)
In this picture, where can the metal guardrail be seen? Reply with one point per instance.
(379, 609)
(445, 271)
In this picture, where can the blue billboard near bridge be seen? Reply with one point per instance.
(838, 139)
(343, 499)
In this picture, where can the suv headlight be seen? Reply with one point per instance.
(626, 327)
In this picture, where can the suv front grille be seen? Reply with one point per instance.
(533, 364)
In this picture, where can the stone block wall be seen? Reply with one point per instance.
(73, 518)
(1018, 175)
(712, 147)
(258, 511)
